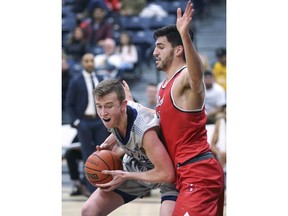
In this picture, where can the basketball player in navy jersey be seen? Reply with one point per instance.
(146, 162)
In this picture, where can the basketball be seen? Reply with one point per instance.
(98, 161)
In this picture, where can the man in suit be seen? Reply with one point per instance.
(81, 108)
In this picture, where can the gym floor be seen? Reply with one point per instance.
(71, 205)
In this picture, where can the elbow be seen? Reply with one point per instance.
(170, 177)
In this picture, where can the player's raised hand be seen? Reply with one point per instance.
(183, 21)
(127, 91)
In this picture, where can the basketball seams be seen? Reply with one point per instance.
(98, 161)
(103, 161)
(89, 168)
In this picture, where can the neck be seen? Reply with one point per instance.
(173, 69)
(122, 125)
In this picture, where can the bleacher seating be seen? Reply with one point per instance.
(134, 23)
(175, 4)
(68, 24)
(141, 28)
(158, 22)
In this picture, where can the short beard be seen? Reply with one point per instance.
(166, 62)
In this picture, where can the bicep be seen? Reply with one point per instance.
(156, 151)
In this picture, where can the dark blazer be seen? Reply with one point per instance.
(77, 97)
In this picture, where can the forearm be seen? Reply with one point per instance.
(193, 61)
(110, 142)
(153, 176)
(118, 150)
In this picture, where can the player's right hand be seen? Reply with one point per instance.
(103, 146)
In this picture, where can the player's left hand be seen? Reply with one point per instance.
(183, 22)
(118, 179)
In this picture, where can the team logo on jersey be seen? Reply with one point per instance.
(160, 100)
(158, 104)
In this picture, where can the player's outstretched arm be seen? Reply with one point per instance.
(193, 61)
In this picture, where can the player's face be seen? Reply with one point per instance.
(164, 53)
(110, 110)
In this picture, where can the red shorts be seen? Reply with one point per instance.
(201, 189)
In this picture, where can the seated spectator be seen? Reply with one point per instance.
(97, 28)
(113, 5)
(215, 97)
(108, 63)
(153, 10)
(76, 46)
(219, 68)
(127, 52)
(132, 7)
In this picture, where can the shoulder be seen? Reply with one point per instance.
(99, 77)
(181, 80)
(77, 78)
(145, 118)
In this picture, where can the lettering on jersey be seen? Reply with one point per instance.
(158, 104)
(160, 100)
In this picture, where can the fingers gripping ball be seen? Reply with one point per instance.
(98, 161)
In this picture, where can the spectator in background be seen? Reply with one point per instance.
(76, 46)
(97, 28)
(151, 95)
(73, 156)
(113, 5)
(215, 97)
(132, 7)
(82, 111)
(108, 63)
(127, 52)
(80, 8)
(219, 67)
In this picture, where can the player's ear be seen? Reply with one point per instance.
(179, 50)
(124, 104)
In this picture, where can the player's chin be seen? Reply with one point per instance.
(107, 122)
(158, 65)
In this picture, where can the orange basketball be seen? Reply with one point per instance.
(98, 161)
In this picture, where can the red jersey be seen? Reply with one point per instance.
(184, 131)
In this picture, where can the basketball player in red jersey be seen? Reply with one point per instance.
(180, 107)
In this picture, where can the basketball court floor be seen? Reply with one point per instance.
(71, 205)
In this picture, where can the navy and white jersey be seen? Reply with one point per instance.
(139, 121)
(135, 159)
